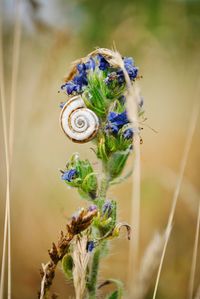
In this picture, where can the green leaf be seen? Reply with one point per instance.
(116, 163)
(114, 295)
(89, 183)
(121, 179)
(117, 294)
(67, 266)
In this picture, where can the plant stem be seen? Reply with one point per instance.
(104, 187)
(92, 284)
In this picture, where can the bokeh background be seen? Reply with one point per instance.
(163, 37)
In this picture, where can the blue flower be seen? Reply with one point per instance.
(107, 208)
(81, 68)
(70, 87)
(69, 175)
(132, 72)
(90, 246)
(80, 80)
(117, 121)
(131, 69)
(90, 64)
(119, 75)
(128, 134)
(128, 61)
(103, 63)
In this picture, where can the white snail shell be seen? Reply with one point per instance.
(79, 123)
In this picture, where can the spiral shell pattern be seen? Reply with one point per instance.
(79, 123)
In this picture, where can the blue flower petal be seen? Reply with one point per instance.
(128, 134)
(103, 63)
(81, 67)
(90, 246)
(90, 64)
(69, 175)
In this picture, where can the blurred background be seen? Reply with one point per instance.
(163, 37)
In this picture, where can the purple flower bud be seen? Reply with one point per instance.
(107, 208)
(92, 208)
(69, 175)
(141, 103)
(128, 134)
(80, 80)
(70, 87)
(90, 64)
(118, 119)
(90, 246)
(81, 68)
(128, 61)
(62, 104)
(103, 63)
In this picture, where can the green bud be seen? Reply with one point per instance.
(80, 174)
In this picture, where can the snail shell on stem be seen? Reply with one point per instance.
(79, 123)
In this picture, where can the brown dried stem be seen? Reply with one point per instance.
(77, 225)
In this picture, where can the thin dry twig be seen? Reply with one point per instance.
(191, 130)
(194, 257)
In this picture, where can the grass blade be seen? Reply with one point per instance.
(191, 130)
(194, 257)
(5, 137)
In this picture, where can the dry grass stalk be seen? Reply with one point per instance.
(149, 264)
(188, 193)
(80, 259)
(191, 130)
(194, 257)
(7, 206)
(15, 67)
(197, 296)
(132, 101)
(8, 142)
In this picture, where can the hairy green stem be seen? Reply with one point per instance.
(92, 283)
(104, 187)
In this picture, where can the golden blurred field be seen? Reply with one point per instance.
(163, 38)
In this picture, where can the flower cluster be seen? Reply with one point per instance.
(112, 77)
(80, 174)
(118, 74)
(80, 80)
